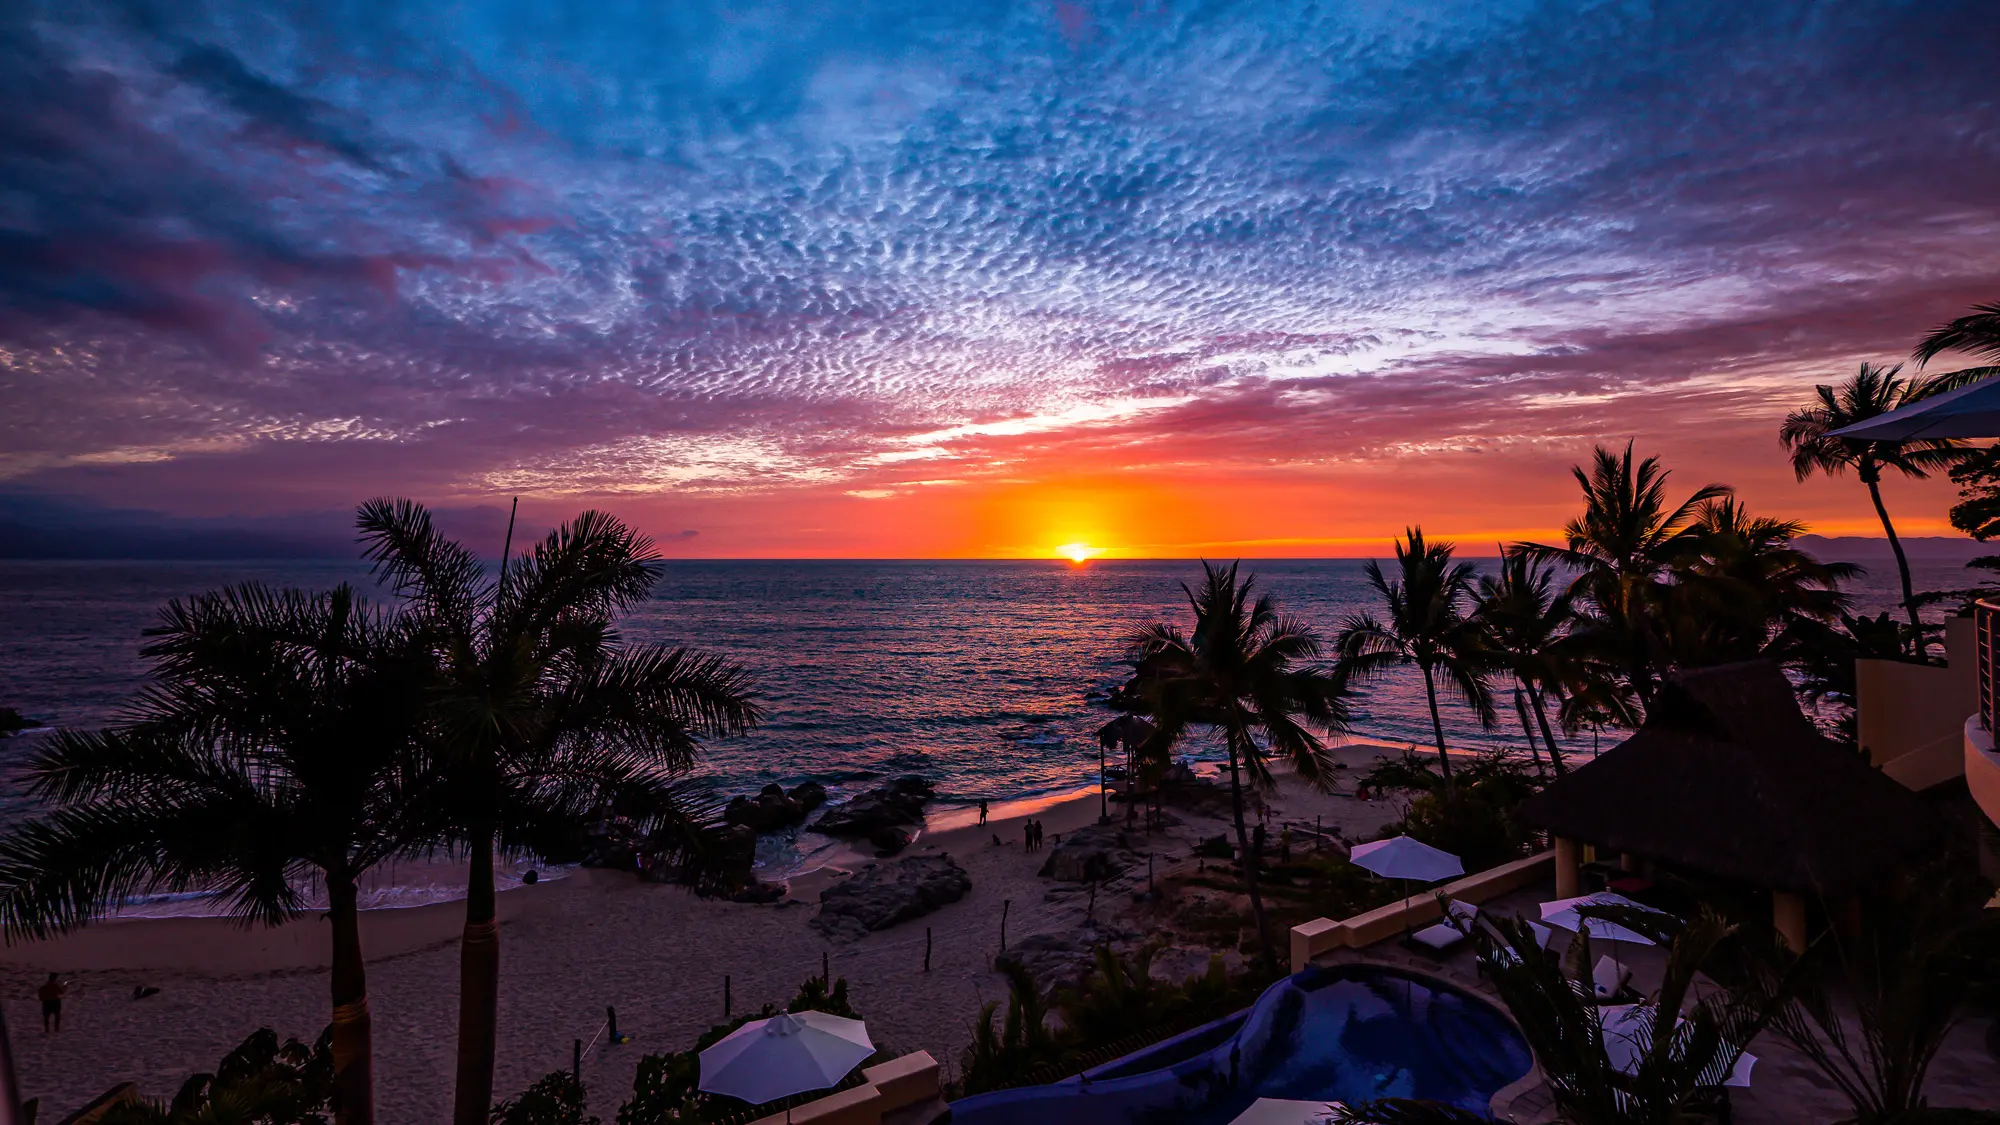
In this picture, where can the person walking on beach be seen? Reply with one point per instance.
(1028, 835)
(982, 812)
(51, 994)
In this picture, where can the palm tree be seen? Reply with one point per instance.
(1251, 675)
(538, 710)
(1744, 585)
(1525, 620)
(1427, 626)
(1977, 332)
(1684, 1046)
(278, 746)
(1622, 550)
(1873, 391)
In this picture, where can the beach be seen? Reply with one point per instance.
(594, 939)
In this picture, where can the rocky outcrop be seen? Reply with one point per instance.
(885, 816)
(13, 722)
(773, 808)
(1091, 855)
(886, 894)
(1064, 958)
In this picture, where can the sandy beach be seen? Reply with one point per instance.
(656, 953)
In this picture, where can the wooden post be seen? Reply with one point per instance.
(1004, 904)
(1103, 811)
(927, 949)
(611, 1021)
(576, 1059)
(825, 969)
(1569, 878)
(725, 996)
(1788, 916)
(1149, 873)
(1318, 836)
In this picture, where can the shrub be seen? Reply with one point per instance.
(261, 1082)
(558, 1099)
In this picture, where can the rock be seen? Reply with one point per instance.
(809, 794)
(759, 892)
(899, 804)
(885, 894)
(13, 722)
(1091, 854)
(1216, 847)
(889, 841)
(768, 811)
(1058, 959)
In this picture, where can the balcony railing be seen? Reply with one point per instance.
(1985, 622)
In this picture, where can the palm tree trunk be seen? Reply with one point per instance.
(1249, 861)
(1527, 728)
(1902, 564)
(478, 988)
(353, 1037)
(1548, 735)
(1437, 728)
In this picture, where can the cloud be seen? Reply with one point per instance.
(725, 250)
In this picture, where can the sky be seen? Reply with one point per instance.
(974, 279)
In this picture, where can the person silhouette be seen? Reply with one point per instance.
(51, 994)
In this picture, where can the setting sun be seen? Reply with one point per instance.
(1079, 553)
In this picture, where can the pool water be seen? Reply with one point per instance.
(1349, 1034)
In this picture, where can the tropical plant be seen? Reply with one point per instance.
(1022, 1041)
(1622, 551)
(1744, 584)
(1247, 673)
(277, 746)
(1904, 975)
(261, 1082)
(1821, 656)
(1684, 1046)
(1977, 332)
(1526, 620)
(1873, 391)
(557, 1098)
(1475, 820)
(538, 710)
(1427, 625)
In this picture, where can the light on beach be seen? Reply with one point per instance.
(1079, 553)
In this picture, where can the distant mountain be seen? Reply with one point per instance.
(1920, 548)
(40, 527)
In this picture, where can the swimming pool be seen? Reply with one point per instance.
(1349, 1033)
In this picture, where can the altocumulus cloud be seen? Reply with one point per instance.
(730, 246)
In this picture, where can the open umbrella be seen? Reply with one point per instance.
(1968, 412)
(1565, 914)
(1400, 857)
(1628, 1033)
(765, 1060)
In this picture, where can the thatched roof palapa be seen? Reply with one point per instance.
(1729, 777)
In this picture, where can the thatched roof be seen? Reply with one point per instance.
(1729, 777)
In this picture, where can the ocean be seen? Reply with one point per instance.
(977, 674)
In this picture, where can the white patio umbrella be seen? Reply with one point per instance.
(1968, 412)
(1628, 1033)
(1400, 857)
(775, 1058)
(1564, 914)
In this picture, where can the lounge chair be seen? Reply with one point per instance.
(1608, 980)
(1443, 937)
(1503, 951)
